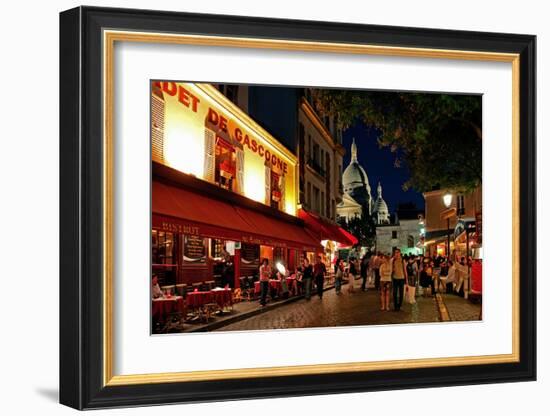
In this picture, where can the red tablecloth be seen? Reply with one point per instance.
(273, 284)
(291, 282)
(199, 299)
(162, 307)
(223, 297)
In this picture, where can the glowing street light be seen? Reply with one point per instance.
(447, 199)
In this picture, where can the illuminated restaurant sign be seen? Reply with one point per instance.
(191, 101)
(197, 130)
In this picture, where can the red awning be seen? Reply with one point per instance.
(351, 238)
(325, 230)
(184, 211)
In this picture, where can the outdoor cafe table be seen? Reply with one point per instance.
(199, 299)
(273, 284)
(223, 297)
(291, 282)
(163, 306)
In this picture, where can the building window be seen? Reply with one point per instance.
(316, 153)
(322, 203)
(309, 201)
(277, 190)
(225, 164)
(316, 199)
(216, 247)
(162, 248)
(394, 234)
(410, 241)
(460, 208)
(163, 257)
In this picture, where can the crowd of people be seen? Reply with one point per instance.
(397, 277)
(306, 276)
(403, 275)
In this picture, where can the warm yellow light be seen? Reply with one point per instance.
(254, 187)
(447, 199)
(290, 207)
(182, 151)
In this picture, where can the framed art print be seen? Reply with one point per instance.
(259, 207)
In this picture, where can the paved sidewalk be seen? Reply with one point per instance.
(359, 308)
(460, 309)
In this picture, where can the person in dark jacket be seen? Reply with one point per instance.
(364, 272)
(319, 270)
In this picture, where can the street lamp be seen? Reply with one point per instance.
(448, 200)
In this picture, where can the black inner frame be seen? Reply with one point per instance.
(81, 201)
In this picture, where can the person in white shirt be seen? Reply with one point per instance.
(451, 277)
(156, 291)
(385, 282)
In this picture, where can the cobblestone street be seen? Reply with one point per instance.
(359, 308)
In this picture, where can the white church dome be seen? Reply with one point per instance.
(354, 175)
(380, 208)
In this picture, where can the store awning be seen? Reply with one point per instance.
(436, 236)
(325, 230)
(351, 238)
(186, 211)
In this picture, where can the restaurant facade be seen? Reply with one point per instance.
(224, 190)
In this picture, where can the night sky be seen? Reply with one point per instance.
(273, 108)
(379, 165)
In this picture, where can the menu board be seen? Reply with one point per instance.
(250, 253)
(194, 249)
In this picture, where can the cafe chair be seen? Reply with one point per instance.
(181, 289)
(196, 286)
(237, 295)
(170, 288)
(211, 284)
(209, 310)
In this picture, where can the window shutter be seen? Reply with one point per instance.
(209, 155)
(268, 185)
(240, 170)
(282, 187)
(157, 129)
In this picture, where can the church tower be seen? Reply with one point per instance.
(356, 183)
(380, 209)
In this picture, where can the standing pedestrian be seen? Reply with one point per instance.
(265, 275)
(376, 269)
(412, 278)
(319, 270)
(351, 275)
(364, 272)
(338, 275)
(385, 282)
(461, 276)
(399, 274)
(307, 277)
(451, 277)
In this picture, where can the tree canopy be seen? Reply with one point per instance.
(363, 228)
(437, 136)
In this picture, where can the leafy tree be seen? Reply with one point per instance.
(438, 136)
(363, 228)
